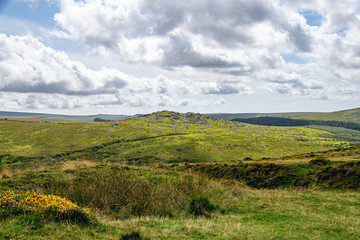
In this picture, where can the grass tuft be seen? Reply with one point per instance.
(132, 236)
(201, 207)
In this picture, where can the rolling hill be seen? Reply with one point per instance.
(229, 116)
(159, 137)
(351, 115)
(56, 117)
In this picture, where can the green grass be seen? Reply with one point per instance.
(318, 172)
(341, 134)
(161, 137)
(352, 115)
(241, 212)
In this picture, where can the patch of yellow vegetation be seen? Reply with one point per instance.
(47, 206)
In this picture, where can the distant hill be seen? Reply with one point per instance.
(75, 118)
(162, 137)
(351, 115)
(229, 116)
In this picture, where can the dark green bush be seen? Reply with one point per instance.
(319, 160)
(201, 207)
(132, 236)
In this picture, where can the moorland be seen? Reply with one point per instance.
(170, 175)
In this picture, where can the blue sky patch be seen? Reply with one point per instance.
(313, 18)
(292, 58)
(41, 12)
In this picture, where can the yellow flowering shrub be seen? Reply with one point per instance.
(47, 206)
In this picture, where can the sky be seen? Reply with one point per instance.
(210, 56)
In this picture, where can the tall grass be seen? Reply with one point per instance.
(123, 193)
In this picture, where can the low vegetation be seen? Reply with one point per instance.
(163, 204)
(45, 206)
(318, 172)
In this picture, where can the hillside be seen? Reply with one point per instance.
(56, 117)
(229, 116)
(352, 115)
(159, 137)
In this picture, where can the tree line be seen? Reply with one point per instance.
(278, 121)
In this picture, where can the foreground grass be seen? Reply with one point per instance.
(154, 204)
(248, 214)
(266, 214)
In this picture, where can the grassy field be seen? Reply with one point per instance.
(156, 204)
(341, 134)
(161, 137)
(352, 115)
(177, 176)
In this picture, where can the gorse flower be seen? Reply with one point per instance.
(47, 206)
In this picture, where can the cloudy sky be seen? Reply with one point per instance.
(140, 56)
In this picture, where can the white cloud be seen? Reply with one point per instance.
(37, 77)
(204, 34)
(201, 50)
(29, 66)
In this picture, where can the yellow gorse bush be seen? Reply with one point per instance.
(48, 206)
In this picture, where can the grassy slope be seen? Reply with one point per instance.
(242, 213)
(45, 120)
(342, 134)
(229, 116)
(163, 136)
(352, 115)
(78, 118)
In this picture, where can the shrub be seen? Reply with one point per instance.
(201, 207)
(319, 160)
(47, 206)
(132, 236)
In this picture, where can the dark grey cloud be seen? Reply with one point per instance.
(288, 84)
(184, 103)
(163, 16)
(238, 12)
(300, 38)
(222, 89)
(181, 53)
(228, 22)
(115, 83)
